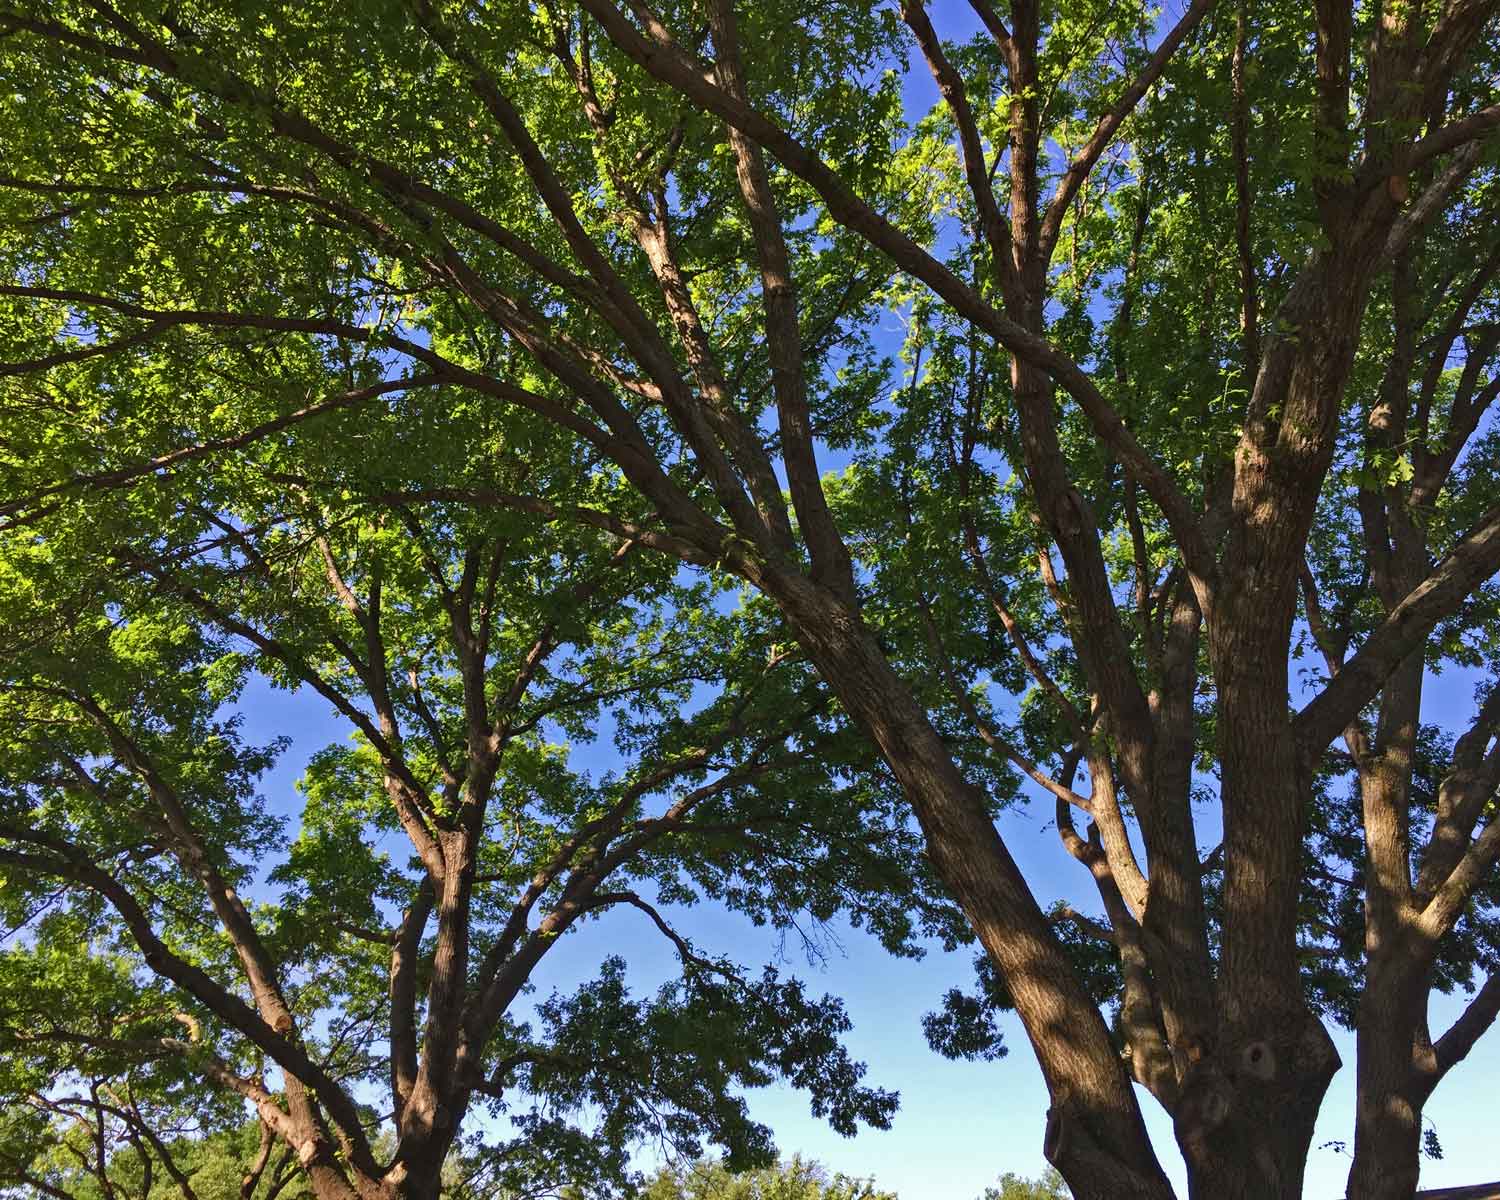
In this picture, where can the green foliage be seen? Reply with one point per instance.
(1017, 1187)
(796, 1179)
(425, 361)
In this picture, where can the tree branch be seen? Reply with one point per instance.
(120, 476)
(1480, 1013)
(66, 861)
(1471, 561)
(662, 57)
(1079, 169)
(950, 83)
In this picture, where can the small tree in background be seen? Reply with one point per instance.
(796, 1179)
(1018, 1187)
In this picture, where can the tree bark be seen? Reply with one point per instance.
(1095, 1135)
(1392, 1044)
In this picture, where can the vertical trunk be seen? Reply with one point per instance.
(1261, 1157)
(1252, 1096)
(1253, 1091)
(1393, 1048)
(398, 1184)
(1393, 1038)
(1176, 920)
(1095, 1134)
(430, 1187)
(1392, 1042)
(431, 1114)
(326, 1181)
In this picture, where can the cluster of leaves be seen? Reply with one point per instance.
(796, 1179)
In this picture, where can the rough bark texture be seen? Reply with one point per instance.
(1095, 1135)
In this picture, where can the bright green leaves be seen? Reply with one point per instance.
(795, 1179)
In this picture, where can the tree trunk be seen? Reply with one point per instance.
(1391, 1092)
(1094, 1135)
(1245, 1122)
(1251, 1097)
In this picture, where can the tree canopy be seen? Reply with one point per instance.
(382, 945)
(513, 375)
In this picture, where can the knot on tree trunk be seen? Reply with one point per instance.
(1249, 1102)
(1258, 1061)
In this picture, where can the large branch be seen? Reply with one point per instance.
(1462, 796)
(1473, 560)
(1334, 21)
(1454, 1046)
(830, 557)
(1476, 125)
(662, 58)
(403, 998)
(950, 83)
(1141, 1014)
(656, 240)
(1433, 198)
(1451, 898)
(649, 214)
(193, 855)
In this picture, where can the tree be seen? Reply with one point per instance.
(662, 235)
(102, 1145)
(173, 950)
(793, 1180)
(1018, 1187)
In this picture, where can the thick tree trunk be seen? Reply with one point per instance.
(1251, 1096)
(1245, 1123)
(417, 1177)
(428, 1187)
(1391, 1091)
(1250, 1102)
(1094, 1134)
